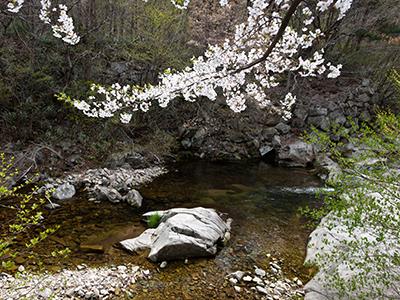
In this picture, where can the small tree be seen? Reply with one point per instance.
(357, 244)
(24, 217)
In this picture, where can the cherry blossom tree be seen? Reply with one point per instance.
(257, 58)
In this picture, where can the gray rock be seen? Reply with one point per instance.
(262, 290)
(64, 191)
(134, 198)
(283, 128)
(301, 113)
(364, 98)
(182, 233)
(238, 275)
(296, 153)
(247, 278)
(264, 150)
(233, 280)
(337, 117)
(119, 67)
(105, 193)
(321, 122)
(318, 111)
(366, 82)
(260, 272)
(276, 141)
(269, 133)
(326, 167)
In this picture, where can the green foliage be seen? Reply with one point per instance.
(21, 229)
(142, 38)
(154, 220)
(362, 212)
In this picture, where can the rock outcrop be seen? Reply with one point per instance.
(219, 134)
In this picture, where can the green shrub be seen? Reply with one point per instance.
(364, 207)
(21, 229)
(154, 220)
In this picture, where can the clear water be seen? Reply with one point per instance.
(262, 200)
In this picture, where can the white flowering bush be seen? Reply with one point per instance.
(259, 56)
(263, 50)
(56, 16)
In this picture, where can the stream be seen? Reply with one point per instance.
(262, 200)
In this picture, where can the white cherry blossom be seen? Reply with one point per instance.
(237, 67)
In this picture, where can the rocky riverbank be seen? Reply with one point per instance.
(354, 248)
(82, 283)
(103, 184)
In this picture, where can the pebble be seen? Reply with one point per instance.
(260, 272)
(275, 266)
(21, 268)
(238, 289)
(122, 268)
(261, 290)
(233, 281)
(238, 275)
(258, 280)
(163, 265)
(46, 293)
(247, 278)
(84, 283)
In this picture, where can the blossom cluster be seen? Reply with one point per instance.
(64, 27)
(15, 6)
(228, 67)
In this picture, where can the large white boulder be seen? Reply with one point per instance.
(182, 233)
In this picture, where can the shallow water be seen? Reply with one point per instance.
(262, 200)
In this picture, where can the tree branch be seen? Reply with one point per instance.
(278, 36)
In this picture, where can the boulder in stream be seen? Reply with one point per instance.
(64, 191)
(134, 198)
(182, 233)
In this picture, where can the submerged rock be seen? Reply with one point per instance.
(182, 233)
(64, 191)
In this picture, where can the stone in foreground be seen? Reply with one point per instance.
(182, 233)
